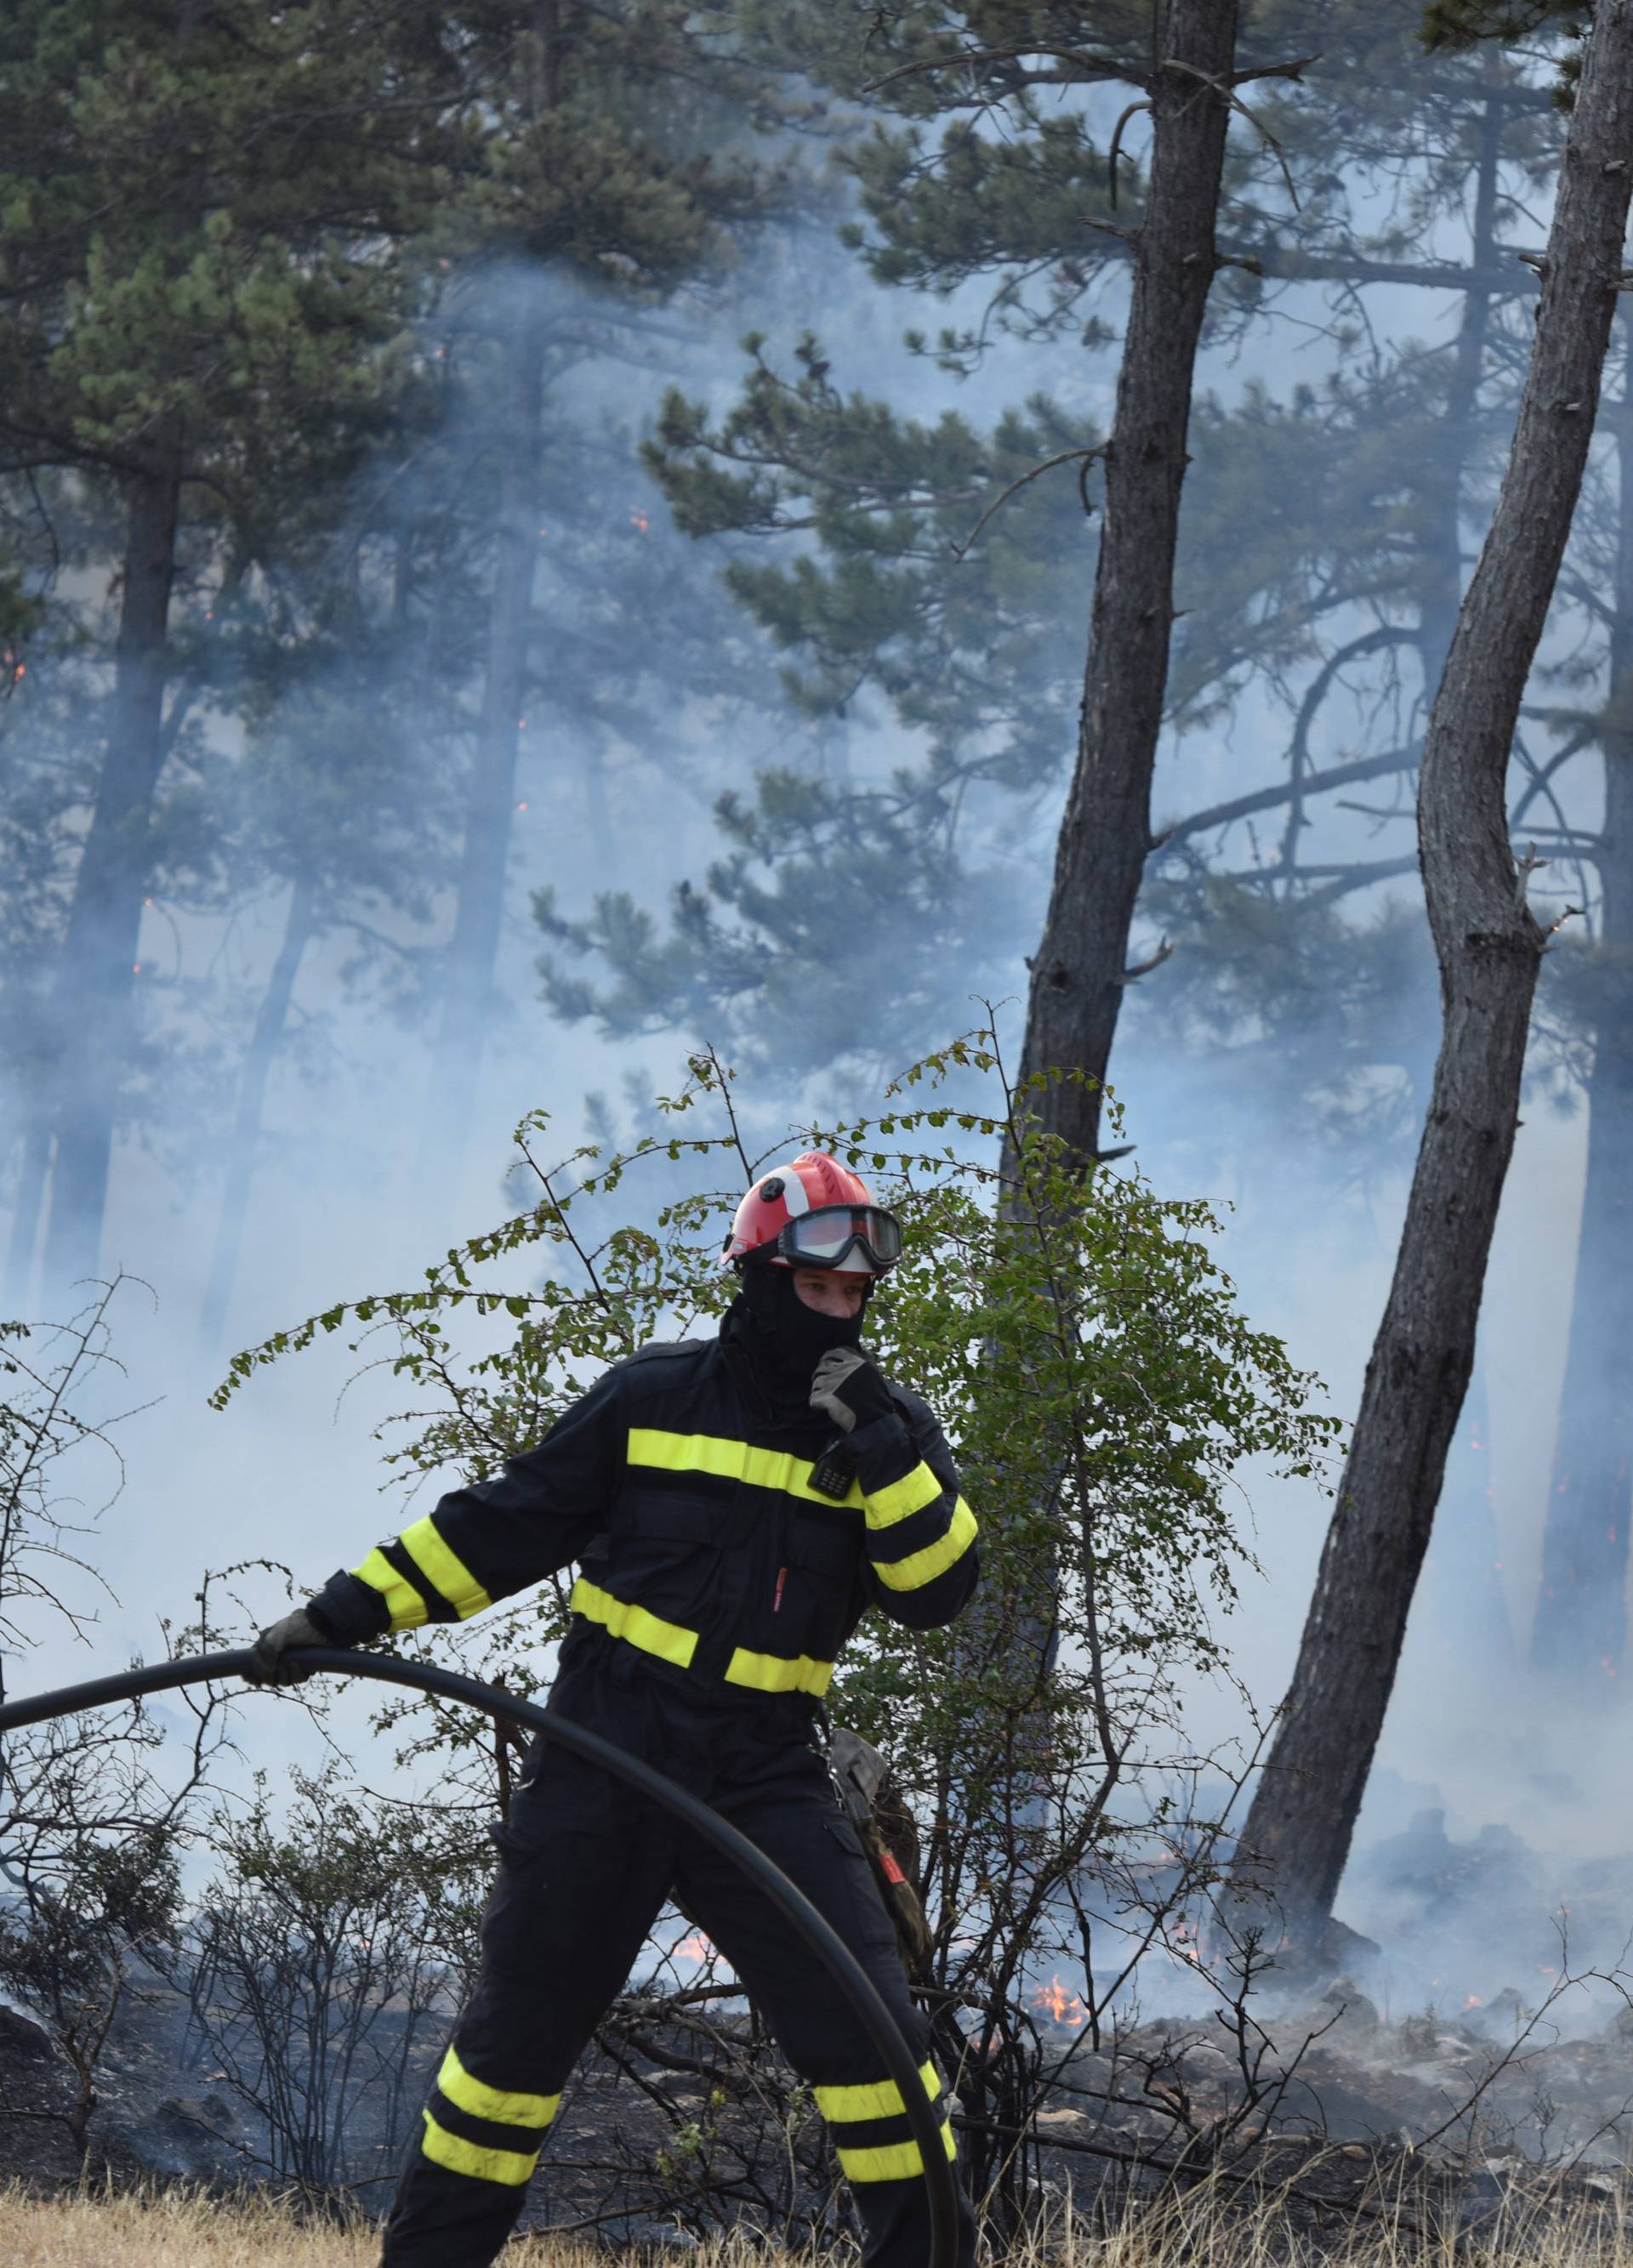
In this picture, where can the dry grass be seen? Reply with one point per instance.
(94, 2231)
(182, 2230)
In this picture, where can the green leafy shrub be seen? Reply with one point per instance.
(1103, 1390)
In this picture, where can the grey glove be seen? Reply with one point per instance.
(846, 1389)
(278, 1641)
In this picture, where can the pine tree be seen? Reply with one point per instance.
(1489, 948)
(197, 208)
(1322, 535)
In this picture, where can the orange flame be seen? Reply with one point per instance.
(1059, 2006)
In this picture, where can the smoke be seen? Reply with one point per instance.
(1293, 1096)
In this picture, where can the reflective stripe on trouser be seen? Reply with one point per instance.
(490, 2134)
(587, 1865)
(873, 2136)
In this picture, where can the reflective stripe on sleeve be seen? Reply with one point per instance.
(403, 1603)
(667, 1640)
(903, 1497)
(459, 2156)
(889, 2162)
(731, 1461)
(922, 1567)
(777, 1673)
(877, 2098)
(443, 1569)
(508, 2106)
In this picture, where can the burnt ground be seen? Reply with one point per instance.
(636, 2147)
(1435, 2119)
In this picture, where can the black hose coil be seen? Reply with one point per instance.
(425, 1677)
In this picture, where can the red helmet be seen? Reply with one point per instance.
(815, 1213)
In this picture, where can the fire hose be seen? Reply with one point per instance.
(425, 1677)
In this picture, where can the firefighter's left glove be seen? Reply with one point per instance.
(271, 1652)
(847, 1388)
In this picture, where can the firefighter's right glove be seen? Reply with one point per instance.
(846, 1387)
(269, 1654)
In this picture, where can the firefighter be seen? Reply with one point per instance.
(717, 1586)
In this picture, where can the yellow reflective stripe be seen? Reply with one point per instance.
(460, 2156)
(903, 1497)
(878, 2098)
(777, 1673)
(730, 1461)
(889, 2162)
(922, 1567)
(667, 1640)
(403, 1603)
(507, 2106)
(444, 1569)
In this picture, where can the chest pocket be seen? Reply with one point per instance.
(664, 1548)
(669, 1514)
(808, 1607)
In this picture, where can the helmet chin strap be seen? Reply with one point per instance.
(795, 1335)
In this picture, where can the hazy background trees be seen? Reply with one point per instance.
(626, 489)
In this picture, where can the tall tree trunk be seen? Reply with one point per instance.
(265, 1040)
(1298, 1833)
(95, 979)
(1081, 967)
(491, 796)
(1581, 1631)
(1441, 487)
(1470, 1612)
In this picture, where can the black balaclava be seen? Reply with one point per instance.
(790, 1338)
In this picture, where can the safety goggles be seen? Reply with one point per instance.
(827, 1237)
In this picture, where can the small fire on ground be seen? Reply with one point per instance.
(1059, 2006)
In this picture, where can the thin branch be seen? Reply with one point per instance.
(1132, 111)
(1221, 86)
(1268, 799)
(1293, 71)
(1066, 457)
(1140, 968)
(1093, 68)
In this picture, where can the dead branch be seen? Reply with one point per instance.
(1293, 71)
(1132, 111)
(1066, 457)
(1164, 952)
(1267, 799)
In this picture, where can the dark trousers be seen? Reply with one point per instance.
(586, 1865)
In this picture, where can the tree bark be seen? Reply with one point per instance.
(1298, 1833)
(270, 1019)
(1078, 975)
(96, 974)
(1581, 1631)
